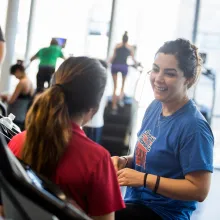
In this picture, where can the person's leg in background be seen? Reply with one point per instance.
(136, 211)
(40, 80)
(44, 75)
(124, 72)
(114, 96)
(49, 75)
(114, 72)
(121, 97)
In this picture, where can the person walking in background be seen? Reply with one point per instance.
(48, 57)
(119, 64)
(2, 46)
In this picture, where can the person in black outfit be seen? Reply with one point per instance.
(119, 64)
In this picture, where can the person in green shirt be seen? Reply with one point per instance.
(48, 57)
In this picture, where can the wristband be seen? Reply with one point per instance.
(145, 179)
(126, 161)
(157, 184)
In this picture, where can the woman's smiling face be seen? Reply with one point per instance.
(167, 80)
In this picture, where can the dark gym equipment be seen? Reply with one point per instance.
(117, 127)
(3, 109)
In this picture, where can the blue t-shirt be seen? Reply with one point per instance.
(171, 147)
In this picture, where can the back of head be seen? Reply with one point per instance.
(78, 86)
(187, 55)
(18, 66)
(125, 37)
(54, 42)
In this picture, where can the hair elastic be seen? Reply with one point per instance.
(145, 179)
(157, 184)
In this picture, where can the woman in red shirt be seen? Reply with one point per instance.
(56, 147)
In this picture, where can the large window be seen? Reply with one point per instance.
(98, 29)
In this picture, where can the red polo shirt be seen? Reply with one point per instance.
(86, 172)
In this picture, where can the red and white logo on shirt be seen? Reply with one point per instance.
(144, 144)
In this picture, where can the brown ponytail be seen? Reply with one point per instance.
(48, 131)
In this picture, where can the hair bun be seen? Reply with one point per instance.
(194, 47)
(20, 62)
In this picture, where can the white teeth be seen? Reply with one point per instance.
(160, 88)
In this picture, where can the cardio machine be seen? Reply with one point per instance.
(117, 128)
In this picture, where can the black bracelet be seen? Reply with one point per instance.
(157, 184)
(145, 179)
(126, 161)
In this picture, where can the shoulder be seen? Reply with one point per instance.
(24, 81)
(42, 50)
(192, 121)
(55, 47)
(88, 148)
(129, 47)
(97, 151)
(17, 142)
(118, 45)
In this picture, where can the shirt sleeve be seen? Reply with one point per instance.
(1, 35)
(38, 54)
(61, 54)
(196, 153)
(104, 194)
(17, 143)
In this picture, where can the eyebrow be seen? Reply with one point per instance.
(156, 65)
(167, 69)
(171, 69)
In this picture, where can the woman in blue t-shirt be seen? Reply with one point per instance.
(170, 170)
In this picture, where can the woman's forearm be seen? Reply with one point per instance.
(194, 187)
(179, 189)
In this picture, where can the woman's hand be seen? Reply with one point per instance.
(118, 162)
(130, 177)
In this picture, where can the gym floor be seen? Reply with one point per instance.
(209, 209)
